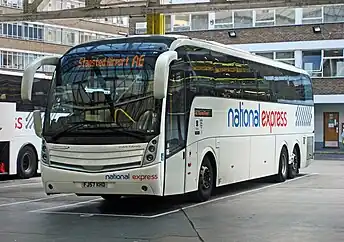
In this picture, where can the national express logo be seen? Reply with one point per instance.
(128, 176)
(242, 117)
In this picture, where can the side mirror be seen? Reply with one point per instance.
(37, 121)
(29, 74)
(161, 73)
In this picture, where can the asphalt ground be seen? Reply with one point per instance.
(307, 208)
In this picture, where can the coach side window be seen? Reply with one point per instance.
(234, 77)
(201, 79)
(288, 86)
(10, 86)
(265, 81)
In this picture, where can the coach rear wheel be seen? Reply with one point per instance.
(205, 181)
(293, 168)
(27, 162)
(283, 166)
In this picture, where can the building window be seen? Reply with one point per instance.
(324, 63)
(199, 21)
(224, 20)
(33, 32)
(69, 37)
(312, 62)
(141, 28)
(265, 17)
(269, 55)
(12, 3)
(182, 23)
(286, 57)
(333, 13)
(168, 23)
(243, 19)
(262, 18)
(282, 56)
(312, 15)
(13, 60)
(333, 63)
(285, 16)
(44, 33)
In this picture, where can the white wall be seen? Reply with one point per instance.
(319, 110)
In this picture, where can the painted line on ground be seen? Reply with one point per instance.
(247, 192)
(20, 185)
(44, 210)
(231, 196)
(66, 205)
(92, 214)
(34, 200)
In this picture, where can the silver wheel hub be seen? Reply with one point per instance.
(284, 163)
(294, 162)
(205, 177)
(26, 162)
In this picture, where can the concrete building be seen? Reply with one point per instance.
(310, 38)
(22, 42)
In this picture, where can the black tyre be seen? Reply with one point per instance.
(205, 181)
(283, 166)
(27, 162)
(293, 168)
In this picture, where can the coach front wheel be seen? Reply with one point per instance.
(205, 181)
(27, 162)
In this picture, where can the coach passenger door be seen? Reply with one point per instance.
(175, 128)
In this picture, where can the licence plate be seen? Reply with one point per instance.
(93, 184)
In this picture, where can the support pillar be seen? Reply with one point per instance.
(155, 23)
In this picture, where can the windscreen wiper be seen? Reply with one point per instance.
(133, 133)
(75, 125)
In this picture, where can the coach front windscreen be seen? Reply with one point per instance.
(103, 94)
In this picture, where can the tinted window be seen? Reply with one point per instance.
(177, 112)
(10, 92)
(221, 75)
(265, 81)
(307, 88)
(217, 74)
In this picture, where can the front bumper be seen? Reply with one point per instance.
(140, 181)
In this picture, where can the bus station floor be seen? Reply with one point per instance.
(306, 209)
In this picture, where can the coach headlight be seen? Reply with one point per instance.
(150, 153)
(44, 153)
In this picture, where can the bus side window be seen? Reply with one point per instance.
(307, 88)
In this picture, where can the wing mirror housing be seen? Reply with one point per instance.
(161, 73)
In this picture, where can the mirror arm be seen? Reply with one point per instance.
(30, 71)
